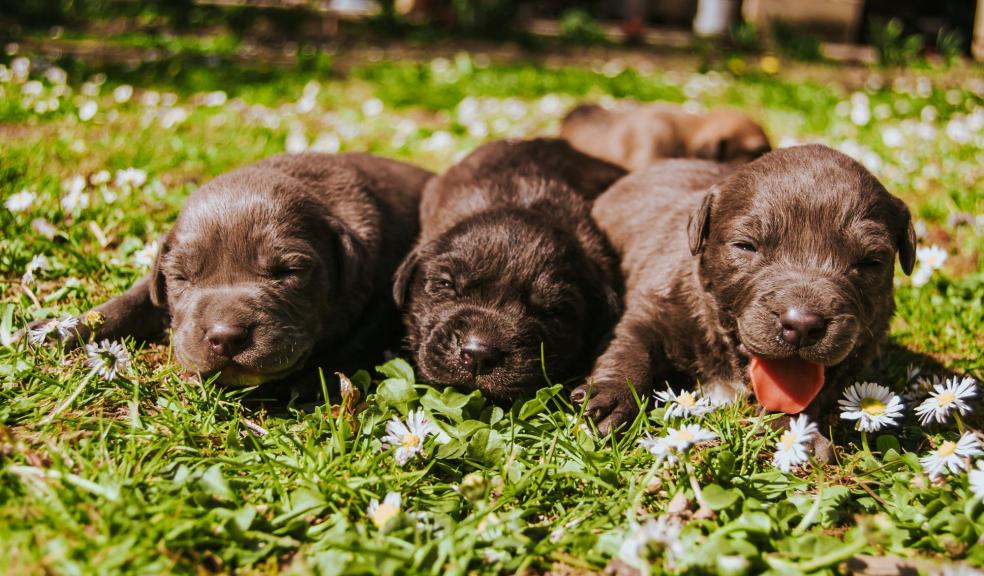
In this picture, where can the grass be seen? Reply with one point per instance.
(155, 471)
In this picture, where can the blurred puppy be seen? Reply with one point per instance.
(277, 266)
(509, 261)
(781, 280)
(634, 135)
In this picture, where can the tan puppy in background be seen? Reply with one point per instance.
(635, 135)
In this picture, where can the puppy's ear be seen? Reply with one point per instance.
(158, 284)
(905, 238)
(700, 224)
(352, 257)
(404, 274)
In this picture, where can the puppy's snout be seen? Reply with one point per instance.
(227, 339)
(478, 355)
(801, 327)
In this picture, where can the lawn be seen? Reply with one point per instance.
(155, 471)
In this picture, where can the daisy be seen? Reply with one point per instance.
(146, 255)
(37, 263)
(872, 405)
(661, 533)
(950, 457)
(107, 359)
(947, 394)
(658, 447)
(20, 202)
(976, 477)
(38, 335)
(88, 110)
(688, 435)
(66, 325)
(684, 404)
(130, 178)
(99, 178)
(931, 257)
(408, 438)
(791, 446)
(380, 514)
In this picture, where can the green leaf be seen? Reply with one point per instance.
(718, 498)
(539, 402)
(885, 443)
(452, 403)
(215, 484)
(396, 392)
(397, 368)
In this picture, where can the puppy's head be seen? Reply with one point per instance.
(797, 250)
(250, 272)
(482, 298)
(725, 135)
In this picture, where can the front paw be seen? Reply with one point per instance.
(609, 404)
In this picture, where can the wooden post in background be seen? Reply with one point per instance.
(977, 48)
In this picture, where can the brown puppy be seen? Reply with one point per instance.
(508, 262)
(634, 136)
(277, 266)
(782, 279)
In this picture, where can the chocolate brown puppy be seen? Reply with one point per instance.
(509, 261)
(634, 135)
(278, 266)
(776, 275)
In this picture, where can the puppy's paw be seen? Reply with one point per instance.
(608, 404)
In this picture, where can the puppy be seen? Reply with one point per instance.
(510, 264)
(634, 136)
(278, 266)
(781, 280)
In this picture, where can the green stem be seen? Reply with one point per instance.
(864, 444)
(960, 423)
(693, 483)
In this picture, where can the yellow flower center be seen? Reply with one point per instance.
(947, 449)
(383, 514)
(685, 435)
(787, 439)
(873, 406)
(410, 440)
(686, 400)
(946, 398)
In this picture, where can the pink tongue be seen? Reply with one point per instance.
(787, 385)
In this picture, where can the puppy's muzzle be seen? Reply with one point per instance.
(478, 355)
(226, 339)
(800, 326)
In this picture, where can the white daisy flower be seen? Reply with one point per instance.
(75, 197)
(215, 99)
(146, 255)
(408, 438)
(38, 262)
(66, 325)
(920, 277)
(37, 336)
(122, 93)
(131, 178)
(872, 405)
(372, 107)
(20, 201)
(108, 359)
(644, 542)
(791, 446)
(976, 477)
(931, 257)
(88, 110)
(100, 178)
(947, 394)
(380, 514)
(950, 457)
(688, 435)
(658, 447)
(685, 404)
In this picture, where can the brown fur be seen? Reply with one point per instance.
(712, 256)
(634, 136)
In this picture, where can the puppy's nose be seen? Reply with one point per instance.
(478, 355)
(226, 339)
(802, 327)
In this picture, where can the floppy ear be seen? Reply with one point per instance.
(906, 238)
(353, 259)
(158, 284)
(401, 280)
(699, 225)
